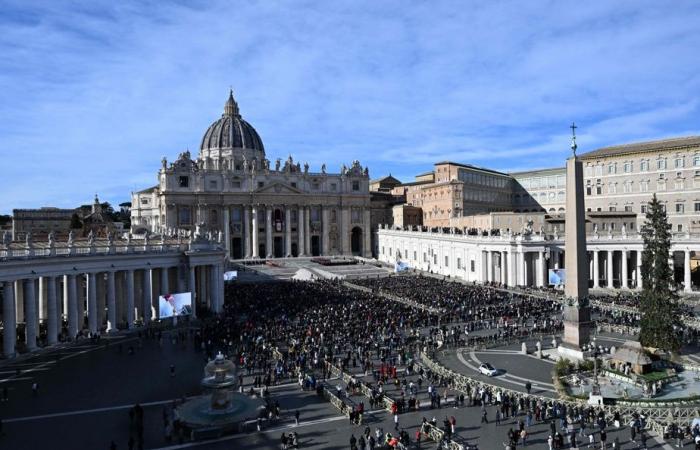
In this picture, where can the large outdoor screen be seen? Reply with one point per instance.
(557, 277)
(170, 305)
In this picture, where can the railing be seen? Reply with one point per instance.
(396, 298)
(387, 401)
(436, 434)
(101, 247)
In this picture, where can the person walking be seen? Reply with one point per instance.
(396, 421)
(296, 417)
(35, 389)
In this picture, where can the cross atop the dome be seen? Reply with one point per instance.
(231, 107)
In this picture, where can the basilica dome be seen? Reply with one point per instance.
(231, 132)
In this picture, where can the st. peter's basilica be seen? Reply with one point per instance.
(260, 209)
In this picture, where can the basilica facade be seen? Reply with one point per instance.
(257, 208)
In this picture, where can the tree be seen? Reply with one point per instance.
(660, 324)
(75, 222)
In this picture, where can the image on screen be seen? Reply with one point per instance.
(170, 305)
(557, 277)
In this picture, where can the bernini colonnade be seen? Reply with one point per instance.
(525, 259)
(53, 291)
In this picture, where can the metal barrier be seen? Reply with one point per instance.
(658, 414)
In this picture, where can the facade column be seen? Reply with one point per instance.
(268, 232)
(307, 227)
(345, 231)
(73, 327)
(639, 270)
(30, 316)
(193, 289)
(610, 269)
(287, 231)
(504, 271)
(246, 231)
(623, 276)
(687, 283)
(254, 234)
(542, 272)
(227, 230)
(554, 255)
(10, 320)
(147, 295)
(596, 269)
(367, 234)
(92, 303)
(111, 302)
(325, 227)
(130, 298)
(51, 307)
(300, 229)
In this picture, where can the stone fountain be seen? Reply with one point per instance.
(221, 408)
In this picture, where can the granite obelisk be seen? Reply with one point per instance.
(577, 312)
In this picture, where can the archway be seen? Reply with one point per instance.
(356, 241)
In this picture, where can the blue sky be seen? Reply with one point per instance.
(94, 94)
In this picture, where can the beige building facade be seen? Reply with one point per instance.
(262, 209)
(624, 177)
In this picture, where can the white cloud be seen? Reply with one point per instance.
(94, 95)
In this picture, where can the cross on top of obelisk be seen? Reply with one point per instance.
(573, 137)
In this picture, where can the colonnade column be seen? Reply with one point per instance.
(325, 217)
(92, 303)
(10, 320)
(288, 231)
(164, 281)
(42, 300)
(489, 266)
(504, 277)
(268, 232)
(596, 270)
(521, 269)
(623, 275)
(542, 270)
(300, 229)
(639, 270)
(687, 286)
(254, 234)
(72, 306)
(246, 231)
(147, 296)
(111, 302)
(130, 298)
(51, 307)
(610, 269)
(512, 269)
(193, 290)
(30, 316)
